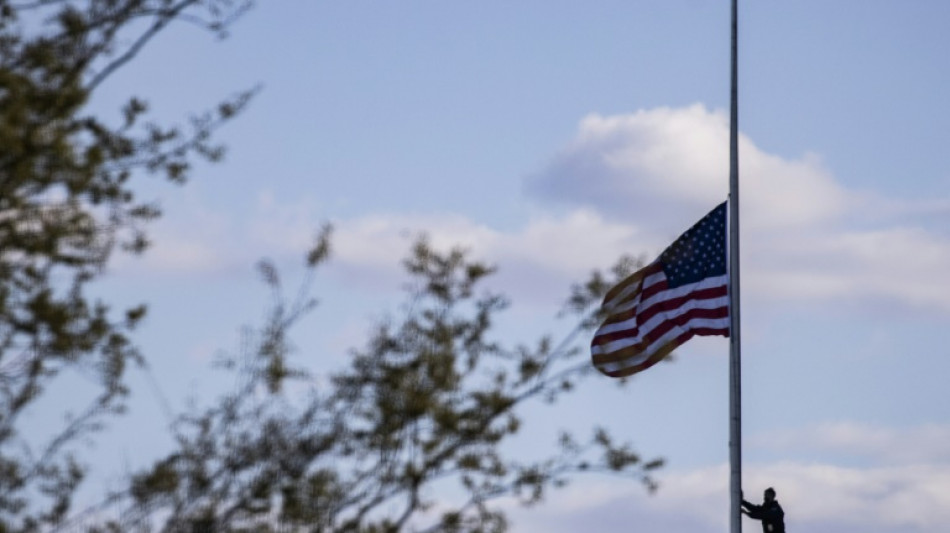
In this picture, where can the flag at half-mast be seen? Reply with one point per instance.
(684, 292)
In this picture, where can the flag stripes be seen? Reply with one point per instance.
(649, 317)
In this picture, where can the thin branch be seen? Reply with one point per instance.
(164, 18)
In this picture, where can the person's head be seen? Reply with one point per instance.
(769, 494)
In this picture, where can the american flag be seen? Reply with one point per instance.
(684, 292)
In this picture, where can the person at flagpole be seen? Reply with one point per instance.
(770, 512)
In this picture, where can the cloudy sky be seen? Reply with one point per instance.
(551, 137)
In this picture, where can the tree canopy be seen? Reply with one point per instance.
(411, 433)
(67, 202)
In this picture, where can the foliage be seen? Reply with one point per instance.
(413, 434)
(66, 203)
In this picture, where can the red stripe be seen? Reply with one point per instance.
(652, 360)
(667, 305)
(636, 277)
(656, 357)
(709, 332)
(675, 303)
(662, 328)
(653, 290)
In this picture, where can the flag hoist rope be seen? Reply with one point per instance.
(735, 397)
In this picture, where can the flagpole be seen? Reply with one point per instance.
(735, 381)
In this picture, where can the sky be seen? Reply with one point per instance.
(550, 138)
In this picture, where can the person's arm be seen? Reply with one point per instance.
(751, 509)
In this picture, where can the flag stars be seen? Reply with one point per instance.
(698, 253)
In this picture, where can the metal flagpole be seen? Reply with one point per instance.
(735, 381)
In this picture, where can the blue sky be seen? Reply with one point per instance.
(551, 138)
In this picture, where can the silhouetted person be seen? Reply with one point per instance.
(770, 512)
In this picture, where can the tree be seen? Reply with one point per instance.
(66, 204)
(428, 403)
(410, 435)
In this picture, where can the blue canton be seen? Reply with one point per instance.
(699, 253)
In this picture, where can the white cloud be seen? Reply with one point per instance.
(192, 239)
(914, 497)
(546, 252)
(537, 261)
(186, 254)
(804, 264)
(821, 498)
(571, 244)
(662, 168)
(656, 164)
(895, 264)
(885, 445)
(634, 182)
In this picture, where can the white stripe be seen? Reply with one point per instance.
(682, 290)
(617, 304)
(631, 323)
(640, 358)
(620, 344)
